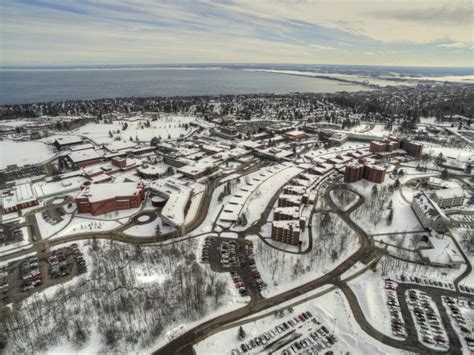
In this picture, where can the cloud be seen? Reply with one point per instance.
(453, 14)
(321, 47)
(166, 31)
(457, 45)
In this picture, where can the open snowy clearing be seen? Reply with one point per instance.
(23, 153)
(167, 127)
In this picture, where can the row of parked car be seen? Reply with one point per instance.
(430, 328)
(205, 250)
(58, 265)
(253, 267)
(316, 342)
(427, 282)
(4, 284)
(30, 274)
(79, 258)
(32, 170)
(239, 284)
(456, 314)
(396, 318)
(228, 254)
(466, 289)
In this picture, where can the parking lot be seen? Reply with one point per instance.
(235, 256)
(22, 278)
(461, 312)
(10, 234)
(53, 215)
(427, 319)
(300, 333)
(25, 172)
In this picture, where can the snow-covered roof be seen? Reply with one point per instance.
(178, 196)
(120, 145)
(290, 224)
(81, 147)
(101, 192)
(429, 207)
(46, 189)
(84, 155)
(68, 140)
(443, 252)
(445, 194)
(295, 133)
(19, 194)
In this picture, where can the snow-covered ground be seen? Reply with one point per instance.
(167, 127)
(48, 229)
(464, 154)
(22, 153)
(370, 293)
(404, 219)
(85, 225)
(148, 229)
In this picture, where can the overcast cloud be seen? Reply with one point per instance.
(377, 32)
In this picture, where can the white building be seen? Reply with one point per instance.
(428, 213)
(442, 253)
(178, 200)
(449, 197)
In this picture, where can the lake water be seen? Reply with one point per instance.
(41, 85)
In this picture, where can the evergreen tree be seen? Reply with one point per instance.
(242, 334)
(444, 174)
(390, 218)
(468, 169)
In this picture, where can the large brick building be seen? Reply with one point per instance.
(413, 149)
(109, 197)
(356, 171)
(390, 145)
(286, 231)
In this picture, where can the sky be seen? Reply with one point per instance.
(360, 32)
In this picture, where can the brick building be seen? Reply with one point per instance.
(356, 171)
(289, 201)
(374, 173)
(286, 232)
(413, 149)
(108, 197)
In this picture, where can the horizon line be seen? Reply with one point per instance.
(223, 64)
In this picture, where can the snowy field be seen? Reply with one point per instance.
(85, 225)
(373, 215)
(465, 154)
(167, 127)
(22, 153)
